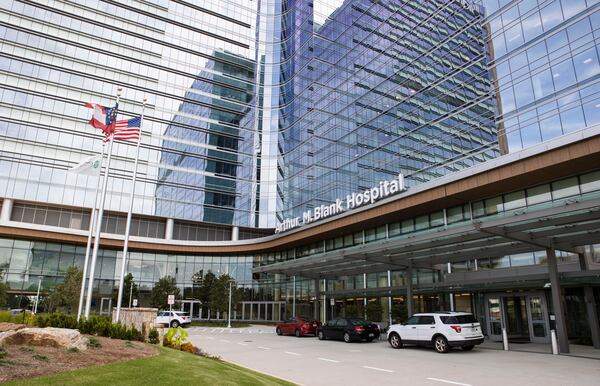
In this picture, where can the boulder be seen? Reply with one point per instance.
(49, 337)
(11, 326)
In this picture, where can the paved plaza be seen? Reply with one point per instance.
(308, 361)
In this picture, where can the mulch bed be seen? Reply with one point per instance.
(33, 361)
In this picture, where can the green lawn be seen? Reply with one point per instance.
(171, 367)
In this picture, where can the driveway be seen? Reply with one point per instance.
(309, 361)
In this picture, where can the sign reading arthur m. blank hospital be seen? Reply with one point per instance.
(352, 201)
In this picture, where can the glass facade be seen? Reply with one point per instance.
(260, 110)
(193, 61)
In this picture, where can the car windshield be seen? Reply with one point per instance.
(358, 322)
(458, 319)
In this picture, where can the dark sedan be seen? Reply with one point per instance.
(348, 330)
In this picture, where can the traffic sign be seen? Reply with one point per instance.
(171, 299)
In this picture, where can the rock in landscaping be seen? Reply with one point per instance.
(11, 326)
(48, 337)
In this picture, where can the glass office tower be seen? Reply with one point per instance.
(381, 88)
(194, 61)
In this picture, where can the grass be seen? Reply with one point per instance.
(39, 357)
(72, 350)
(171, 367)
(26, 349)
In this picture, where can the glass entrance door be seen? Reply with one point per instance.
(517, 322)
(538, 319)
(525, 316)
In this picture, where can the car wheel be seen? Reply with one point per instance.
(278, 331)
(174, 323)
(297, 332)
(441, 344)
(347, 337)
(321, 336)
(468, 348)
(395, 340)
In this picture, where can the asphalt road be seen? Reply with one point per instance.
(308, 361)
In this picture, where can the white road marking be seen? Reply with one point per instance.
(242, 344)
(209, 337)
(264, 348)
(354, 350)
(328, 360)
(224, 340)
(447, 381)
(292, 353)
(378, 369)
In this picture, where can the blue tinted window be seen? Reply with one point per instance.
(586, 64)
(563, 74)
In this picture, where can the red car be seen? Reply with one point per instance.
(298, 326)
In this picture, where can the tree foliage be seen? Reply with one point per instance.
(374, 311)
(128, 282)
(204, 292)
(3, 291)
(219, 294)
(166, 286)
(66, 294)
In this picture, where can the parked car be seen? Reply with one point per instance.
(440, 330)
(173, 318)
(348, 330)
(298, 326)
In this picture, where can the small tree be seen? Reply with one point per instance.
(374, 311)
(204, 292)
(3, 291)
(127, 290)
(66, 294)
(166, 286)
(219, 294)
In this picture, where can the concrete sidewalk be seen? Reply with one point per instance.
(540, 348)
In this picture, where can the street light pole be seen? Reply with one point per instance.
(229, 312)
(37, 297)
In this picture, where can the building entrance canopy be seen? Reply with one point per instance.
(566, 226)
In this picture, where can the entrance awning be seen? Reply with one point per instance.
(566, 227)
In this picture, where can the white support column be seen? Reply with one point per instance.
(389, 277)
(235, 233)
(169, 229)
(557, 302)
(451, 295)
(409, 289)
(7, 205)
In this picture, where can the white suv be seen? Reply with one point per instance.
(173, 318)
(442, 330)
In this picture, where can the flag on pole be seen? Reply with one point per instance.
(90, 166)
(126, 129)
(102, 117)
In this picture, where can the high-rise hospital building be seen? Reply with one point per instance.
(333, 156)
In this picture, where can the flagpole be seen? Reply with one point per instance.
(89, 240)
(88, 301)
(128, 224)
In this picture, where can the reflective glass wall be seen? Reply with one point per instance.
(545, 62)
(193, 60)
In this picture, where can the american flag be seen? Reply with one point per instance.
(102, 117)
(126, 129)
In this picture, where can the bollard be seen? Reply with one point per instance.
(554, 342)
(504, 339)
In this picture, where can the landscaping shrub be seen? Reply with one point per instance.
(175, 337)
(39, 357)
(73, 350)
(95, 325)
(26, 349)
(188, 347)
(94, 343)
(153, 336)
(3, 353)
(5, 317)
